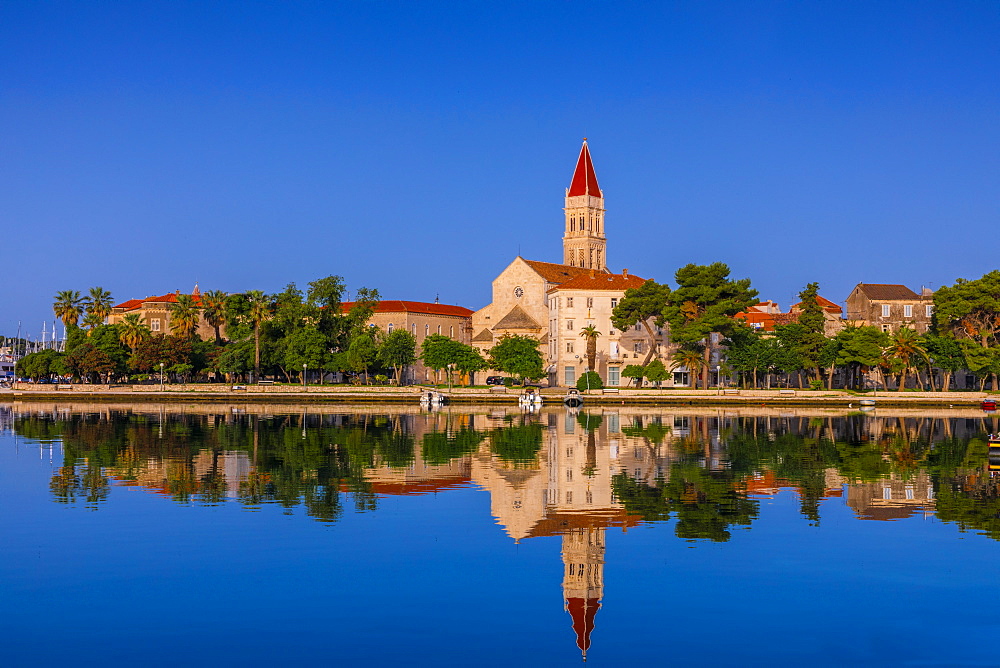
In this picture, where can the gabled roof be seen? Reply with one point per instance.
(171, 298)
(584, 179)
(517, 319)
(556, 273)
(483, 336)
(886, 291)
(425, 308)
(601, 281)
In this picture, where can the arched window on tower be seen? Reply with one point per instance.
(572, 224)
(599, 265)
(581, 256)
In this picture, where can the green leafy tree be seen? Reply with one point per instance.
(657, 372)
(89, 362)
(640, 306)
(590, 380)
(469, 361)
(906, 346)
(704, 303)
(749, 354)
(860, 349)
(363, 352)
(439, 352)
(636, 372)
(946, 353)
(813, 333)
(39, 365)
(398, 350)
(518, 356)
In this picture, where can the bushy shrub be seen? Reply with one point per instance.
(590, 380)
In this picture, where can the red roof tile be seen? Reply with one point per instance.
(130, 305)
(601, 281)
(427, 308)
(556, 273)
(584, 179)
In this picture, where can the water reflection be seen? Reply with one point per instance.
(567, 473)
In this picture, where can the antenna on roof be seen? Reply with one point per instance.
(437, 298)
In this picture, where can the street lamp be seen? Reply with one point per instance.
(451, 369)
(304, 367)
(161, 376)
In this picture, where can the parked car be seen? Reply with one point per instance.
(494, 380)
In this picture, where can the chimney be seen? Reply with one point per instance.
(593, 273)
(625, 273)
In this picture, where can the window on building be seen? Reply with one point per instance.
(614, 302)
(580, 255)
(885, 310)
(590, 497)
(414, 328)
(427, 330)
(572, 224)
(570, 377)
(638, 327)
(569, 324)
(154, 325)
(598, 257)
(569, 346)
(569, 302)
(929, 309)
(613, 376)
(569, 475)
(569, 497)
(389, 328)
(907, 311)
(639, 347)
(439, 329)
(886, 328)
(451, 331)
(590, 302)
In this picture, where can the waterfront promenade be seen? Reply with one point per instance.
(296, 394)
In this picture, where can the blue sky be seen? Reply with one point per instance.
(415, 147)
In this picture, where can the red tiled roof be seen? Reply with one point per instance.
(584, 179)
(130, 305)
(427, 308)
(887, 291)
(825, 303)
(556, 273)
(601, 281)
(171, 298)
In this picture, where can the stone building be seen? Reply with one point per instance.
(421, 319)
(890, 307)
(552, 302)
(155, 313)
(588, 300)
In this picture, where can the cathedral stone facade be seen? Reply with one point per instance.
(553, 302)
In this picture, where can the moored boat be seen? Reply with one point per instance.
(530, 398)
(573, 398)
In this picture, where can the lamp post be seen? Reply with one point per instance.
(161, 376)
(451, 369)
(304, 367)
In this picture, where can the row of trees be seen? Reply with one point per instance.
(965, 334)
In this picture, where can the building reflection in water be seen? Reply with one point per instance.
(566, 473)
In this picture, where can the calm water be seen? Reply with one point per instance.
(208, 536)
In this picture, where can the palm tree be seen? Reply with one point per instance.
(214, 303)
(184, 315)
(132, 331)
(68, 307)
(99, 304)
(691, 358)
(906, 346)
(259, 311)
(591, 334)
(92, 320)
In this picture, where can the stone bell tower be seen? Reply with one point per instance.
(584, 243)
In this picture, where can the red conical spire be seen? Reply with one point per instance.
(583, 611)
(584, 178)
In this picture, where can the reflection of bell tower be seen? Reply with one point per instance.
(583, 580)
(584, 244)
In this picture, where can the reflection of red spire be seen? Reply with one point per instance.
(584, 179)
(583, 610)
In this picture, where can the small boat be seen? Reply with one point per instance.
(529, 398)
(867, 402)
(988, 405)
(573, 398)
(431, 398)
